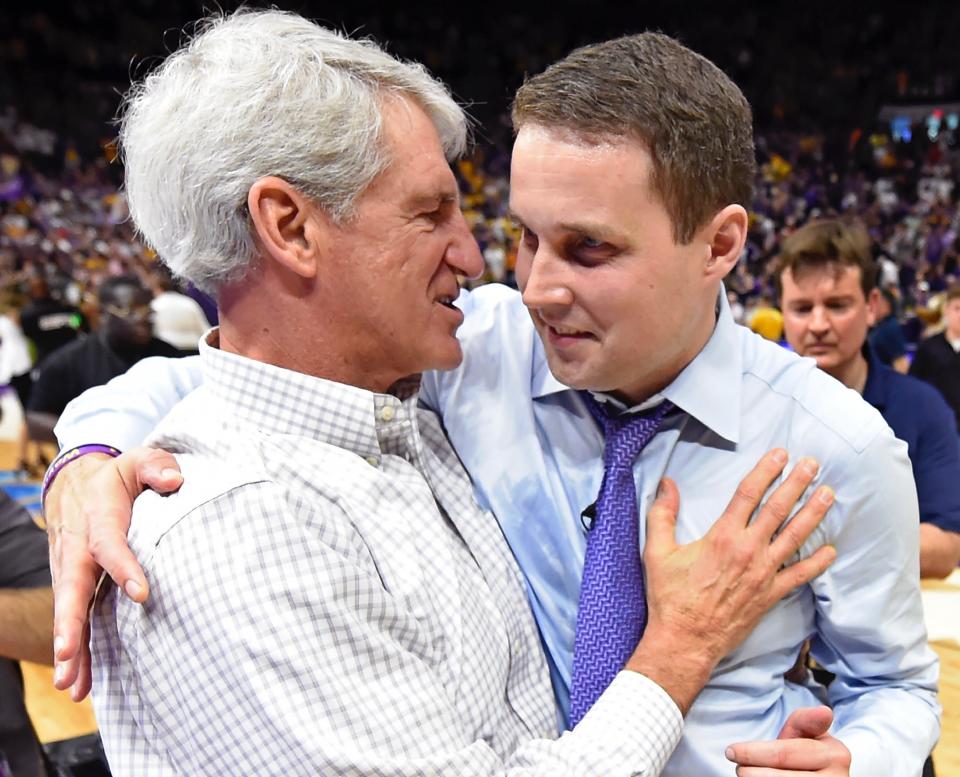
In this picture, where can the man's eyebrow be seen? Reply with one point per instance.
(586, 228)
(433, 199)
(839, 297)
(594, 229)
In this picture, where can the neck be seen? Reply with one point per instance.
(693, 340)
(952, 336)
(262, 320)
(853, 374)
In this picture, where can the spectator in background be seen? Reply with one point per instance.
(886, 339)
(26, 631)
(48, 322)
(937, 360)
(177, 319)
(15, 365)
(766, 320)
(125, 337)
(828, 294)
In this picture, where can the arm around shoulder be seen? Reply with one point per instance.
(124, 411)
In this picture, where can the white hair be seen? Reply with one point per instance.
(253, 94)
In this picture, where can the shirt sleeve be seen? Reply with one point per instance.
(124, 411)
(24, 562)
(936, 465)
(287, 656)
(870, 631)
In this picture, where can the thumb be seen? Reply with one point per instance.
(152, 468)
(807, 723)
(662, 518)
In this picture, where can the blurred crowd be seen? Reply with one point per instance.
(816, 81)
(63, 220)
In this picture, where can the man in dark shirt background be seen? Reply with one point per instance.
(49, 323)
(937, 360)
(26, 631)
(124, 337)
(827, 279)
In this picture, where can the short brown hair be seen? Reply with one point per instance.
(828, 243)
(692, 118)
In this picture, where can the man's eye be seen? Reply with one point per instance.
(589, 242)
(529, 238)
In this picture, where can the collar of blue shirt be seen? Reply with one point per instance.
(719, 365)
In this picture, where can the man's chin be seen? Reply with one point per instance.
(448, 358)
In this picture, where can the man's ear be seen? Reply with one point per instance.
(725, 236)
(289, 227)
(873, 304)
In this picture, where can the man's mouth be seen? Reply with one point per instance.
(566, 331)
(446, 301)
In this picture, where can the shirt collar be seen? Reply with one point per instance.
(708, 388)
(276, 400)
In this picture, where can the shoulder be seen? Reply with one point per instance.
(490, 307)
(931, 343)
(67, 354)
(818, 405)
(916, 396)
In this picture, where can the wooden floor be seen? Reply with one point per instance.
(56, 717)
(946, 757)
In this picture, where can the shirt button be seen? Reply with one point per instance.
(372, 461)
(386, 413)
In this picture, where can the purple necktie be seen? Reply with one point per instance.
(613, 607)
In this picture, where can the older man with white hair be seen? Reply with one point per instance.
(327, 597)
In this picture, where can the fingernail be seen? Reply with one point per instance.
(810, 466)
(132, 588)
(660, 488)
(780, 456)
(169, 473)
(58, 674)
(729, 753)
(57, 646)
(825, 495)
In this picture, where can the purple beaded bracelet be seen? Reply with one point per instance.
(65, 458)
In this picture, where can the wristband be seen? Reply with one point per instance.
(65, 458)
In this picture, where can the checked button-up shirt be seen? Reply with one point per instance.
(327, 598)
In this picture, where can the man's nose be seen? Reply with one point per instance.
(543, 281)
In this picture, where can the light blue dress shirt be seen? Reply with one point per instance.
(535, 456)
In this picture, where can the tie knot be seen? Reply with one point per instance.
(627, 434)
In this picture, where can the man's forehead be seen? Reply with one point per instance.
(531, 136)
(830, 273)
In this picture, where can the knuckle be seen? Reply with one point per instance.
(793, 536)
(748, 492)
(777, 509)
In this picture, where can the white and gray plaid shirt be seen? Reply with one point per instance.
(327, 598)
